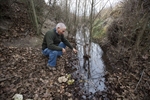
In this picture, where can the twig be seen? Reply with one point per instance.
(27, 32)
(139, 80)
(148, 84)
(4, 79)
(76, 58)
(42, 33)
(1, 80)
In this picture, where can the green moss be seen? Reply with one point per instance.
(99, 29)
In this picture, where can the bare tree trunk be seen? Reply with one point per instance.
(85, 9)
(78, 10)
(67, 17)
(66, 12)
(75, 14)
(140, 35)
(34, 16)
(91, 24)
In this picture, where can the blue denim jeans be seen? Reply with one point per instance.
(53, 54)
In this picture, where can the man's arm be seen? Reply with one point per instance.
(50, 43)
(66, 42)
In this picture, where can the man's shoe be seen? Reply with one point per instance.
(51, 68)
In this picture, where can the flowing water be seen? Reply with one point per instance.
(90, 67)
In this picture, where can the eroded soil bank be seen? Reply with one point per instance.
(122, 80)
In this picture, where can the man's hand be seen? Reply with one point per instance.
(74, 50)
(63, 50)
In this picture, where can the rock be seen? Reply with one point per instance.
(62, 79)
(25, 60)
(46, 95)
(68, 94)
(22, 29)
(70, 99)
(48, 24)
(18, 97)
(119, 99)
(51, 98)
(36, 97)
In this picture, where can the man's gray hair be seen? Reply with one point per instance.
(61, 26)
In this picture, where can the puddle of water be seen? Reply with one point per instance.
(90, 66)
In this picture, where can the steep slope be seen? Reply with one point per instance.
(127, 52)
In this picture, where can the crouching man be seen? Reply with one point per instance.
(54, 44)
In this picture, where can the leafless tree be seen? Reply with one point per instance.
(33, 14)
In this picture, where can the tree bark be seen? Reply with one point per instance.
(34, 16)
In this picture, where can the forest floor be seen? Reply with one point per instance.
(23, 67)
(23, 71)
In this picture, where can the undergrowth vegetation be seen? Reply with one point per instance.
(128, 49)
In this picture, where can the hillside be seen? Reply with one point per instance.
(124, 37)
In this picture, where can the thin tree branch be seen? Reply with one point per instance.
(139, 81)
(4, 79)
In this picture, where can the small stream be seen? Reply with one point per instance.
(90, 66)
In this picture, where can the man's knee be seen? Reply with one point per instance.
(55, 52)
(46, 51)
